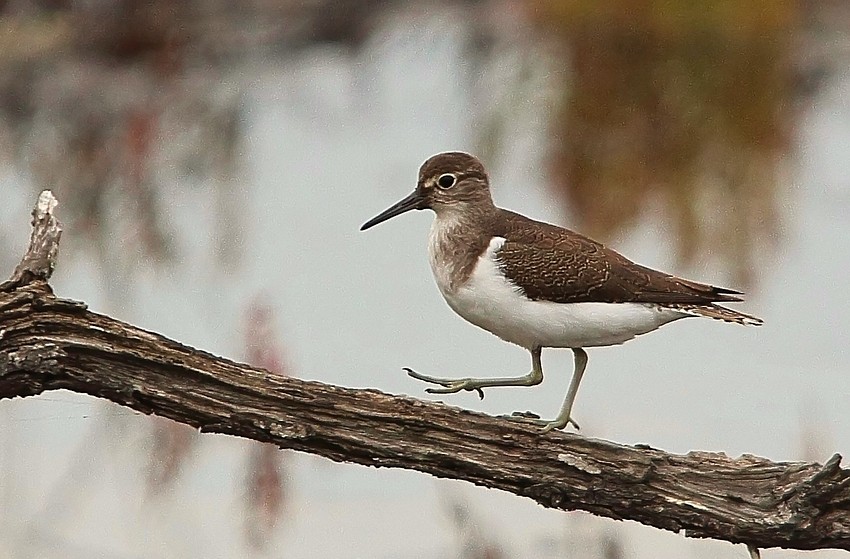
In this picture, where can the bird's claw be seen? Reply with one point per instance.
(455, 388)
(450, 386)
(534, 419)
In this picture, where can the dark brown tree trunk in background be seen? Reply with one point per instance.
(47, 343)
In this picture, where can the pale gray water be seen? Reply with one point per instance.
(330, 144)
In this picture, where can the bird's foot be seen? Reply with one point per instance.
(449, 385)
(534, 419)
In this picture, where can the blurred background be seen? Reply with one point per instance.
(214, 160)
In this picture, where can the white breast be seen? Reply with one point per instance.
(491, 301)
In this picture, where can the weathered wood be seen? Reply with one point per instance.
(48, 343)
(40, 259)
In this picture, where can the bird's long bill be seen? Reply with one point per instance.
(412, 202)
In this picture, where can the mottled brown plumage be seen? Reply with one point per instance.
(556, 264)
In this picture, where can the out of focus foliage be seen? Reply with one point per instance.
(679, 110)
(684, 109)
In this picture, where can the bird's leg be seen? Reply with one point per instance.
(456, 385)
(564, 415)
(578, 371)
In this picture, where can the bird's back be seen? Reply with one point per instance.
(553, 263)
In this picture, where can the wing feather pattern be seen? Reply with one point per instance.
(553, 264)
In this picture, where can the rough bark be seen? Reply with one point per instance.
(47, 343)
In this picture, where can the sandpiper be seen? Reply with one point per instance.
(539, 285)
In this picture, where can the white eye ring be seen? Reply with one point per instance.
(446, 181)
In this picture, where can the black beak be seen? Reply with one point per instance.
(412, 202)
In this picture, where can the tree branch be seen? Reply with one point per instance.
(48, 343)
(40, 259)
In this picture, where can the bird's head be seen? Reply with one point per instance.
(451, 181)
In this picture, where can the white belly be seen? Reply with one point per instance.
(492, 302)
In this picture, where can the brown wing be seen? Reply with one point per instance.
(553, 264)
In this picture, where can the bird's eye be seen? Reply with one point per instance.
(446, 181)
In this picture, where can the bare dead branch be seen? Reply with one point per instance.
(48, 343)
(40, 258)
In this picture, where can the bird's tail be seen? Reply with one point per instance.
(719, 313)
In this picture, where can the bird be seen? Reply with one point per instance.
(538, 285)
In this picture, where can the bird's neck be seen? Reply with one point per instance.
(458, 236)
(475, 212)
